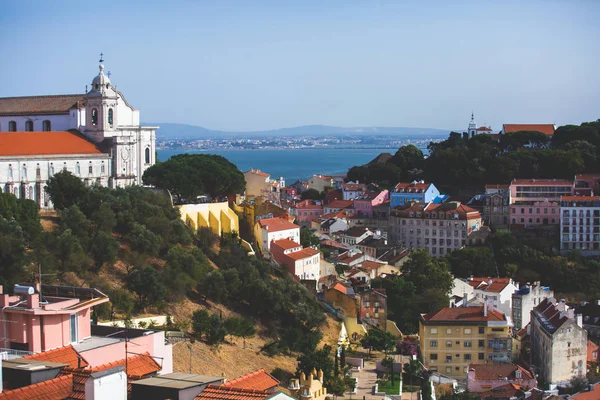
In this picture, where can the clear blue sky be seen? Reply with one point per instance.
(251, 65)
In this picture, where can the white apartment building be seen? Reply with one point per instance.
(271, 229)
(580, 224)
(438, 228)
(524, 299)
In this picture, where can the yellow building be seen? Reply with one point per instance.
(452, 338)
(257, 183)
(308, 387)
(216, 216)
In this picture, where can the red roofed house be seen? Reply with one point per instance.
(306, 211)
(272, 229)
(496, 291)
(303, 263)
(336, 206)
(558, 342)
(453, 338)
(96, 136)
(486, 377)
(591, 393)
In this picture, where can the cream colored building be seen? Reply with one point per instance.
(452, 338)
(308, 386)
(320, 182)
(257, 183)
(216, 216)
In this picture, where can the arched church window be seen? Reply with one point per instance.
(12, 126)
(46, 126)
(77, 168)
(94, 116)
(110, 116)
(10, 171)
(51, 169)
(147, 155)
(29, 126)
(24, 172)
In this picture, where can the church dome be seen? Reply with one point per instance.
(101, 80)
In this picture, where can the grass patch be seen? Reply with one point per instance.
(387, 387)
(410, 388)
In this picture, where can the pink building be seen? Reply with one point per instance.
(531, 190)
(59, 318)
(306, 211)
(534, 214)
(363, 204)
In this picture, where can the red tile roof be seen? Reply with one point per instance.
(53, 389)
(285, 244)
(547, 129)
(492, 372)
(276, 224)
(344, 258)
(61, 355)
(44, 143)
(507, 391)
(354, 187)
(257, 380)
(484, 128)
(308, 205)
(460, 314)
(370, 265)
(580, 198)
(333, 243)
(213, 392)
(408, 187)
(258, 172)
(340, 204)
(548, 311)
(302, 254)
(492, 285)
(40, 105)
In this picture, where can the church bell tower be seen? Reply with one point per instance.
(101, 107)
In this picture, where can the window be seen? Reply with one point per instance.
(449, 343)
(29, 126)
(12, 126)
(481, 356)
(110, 116)
(73, 320)
(102, 167)
(449, 331)
(433, 343)
(94, 116)
(481, 329)
(467, 331)
(433, 357)
(46, 126)
(51, 169)
(433, 331)
(24, 177)
(10, 171)
(90, 169)
(468, 343)
(467, 357)
(147, 155)
(77, 168)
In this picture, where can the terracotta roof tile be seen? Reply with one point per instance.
(459, 314)
(490, 372)
(138, 365)
(62, 355)
(593, 394)
(258, 172)
(408, 187)
(213, 392)
(340, 204)
(370, 265)
(53, 389)
(41, 105)
(580, 198)
(542, 182)
(507, 391)
(492, 285)
(308, 204)
(257, 380)
(45, 143)
(276, 224)
(546, 129)
(354, 187)
(302, 254)
(285, 244)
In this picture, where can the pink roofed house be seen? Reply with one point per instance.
(363, 204)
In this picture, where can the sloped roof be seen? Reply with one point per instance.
(593, 394)
(308, 204)
(40, 105)
(257, 380)
(45, 143)
(551, 317)
(53, 389)
(460, 314)
(276, 224)
(257, 172)
(344, 258)
(353, 187)
(355, 231)
(302, 254)
(546, 129)
(63, 355)
(492, 372)
(507, 391)
(484, 129)
(340, 204)
(286, 244)
(491, 285)
(497, 186)
(213, 392)
(340, 287)
(370, 265)
(409, 187)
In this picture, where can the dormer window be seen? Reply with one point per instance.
(94, 116)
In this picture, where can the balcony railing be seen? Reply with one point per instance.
(10, 354)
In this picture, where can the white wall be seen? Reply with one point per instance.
(309, 268)
(268, 237)
(61, 122)
(113, 387)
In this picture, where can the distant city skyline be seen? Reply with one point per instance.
(247, 66)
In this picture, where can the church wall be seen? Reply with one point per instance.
(62, 122)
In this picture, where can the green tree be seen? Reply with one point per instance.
(12, 252)
(307, 238)
(200, 323)
(477, 261)
(378, 340)
(412, 369)
(147, 284)
(188, 176)
(104, 249)
(431, 278)
(426, 392)
(240, 327)
(311, 194)
(65, 189)
(388, 363)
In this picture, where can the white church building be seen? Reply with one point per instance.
(474, 130)
(96, 136)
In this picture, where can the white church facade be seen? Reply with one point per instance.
(96, 136)
(474, 130)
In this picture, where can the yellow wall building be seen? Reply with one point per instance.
(216, 216)
(452, 338)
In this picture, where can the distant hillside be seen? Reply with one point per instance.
(169, 130)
